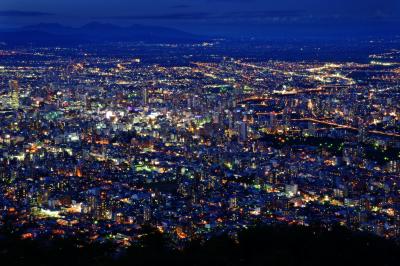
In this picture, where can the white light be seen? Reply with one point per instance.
(109, 114)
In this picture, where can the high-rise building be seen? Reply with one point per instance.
(14, 94)
(233, 203)
(146, 214)
(104, 207)
(242, 130)
(145, 96)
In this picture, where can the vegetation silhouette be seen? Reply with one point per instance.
(262, 245)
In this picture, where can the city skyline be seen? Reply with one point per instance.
(210, 132)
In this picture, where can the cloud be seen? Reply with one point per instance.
(181, 6)
(169, 16)
(18, 13)
(232, 1)
(265, 13)
(268, 14)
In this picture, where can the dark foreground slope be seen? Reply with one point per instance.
(280, 245)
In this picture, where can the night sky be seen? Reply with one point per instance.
(213, 16)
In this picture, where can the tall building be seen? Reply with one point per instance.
(145, 96)
(233, 203)
(146, 213)
(14, 94)
(98, 205)
(242, 131)
(103, 207)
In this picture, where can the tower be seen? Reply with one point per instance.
(14, 94)
(145, 96)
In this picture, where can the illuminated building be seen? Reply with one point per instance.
(14, 94)
(145, 96)
(146, 214)
(103, 210)
(242, 130)
(233, 203)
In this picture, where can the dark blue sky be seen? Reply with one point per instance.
(203, 15)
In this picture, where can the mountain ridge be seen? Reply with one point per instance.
(93, 32)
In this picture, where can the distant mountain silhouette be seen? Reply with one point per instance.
(95, 32)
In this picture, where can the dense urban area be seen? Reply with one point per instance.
(98, 143)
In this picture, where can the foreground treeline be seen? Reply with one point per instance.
(277, 245)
